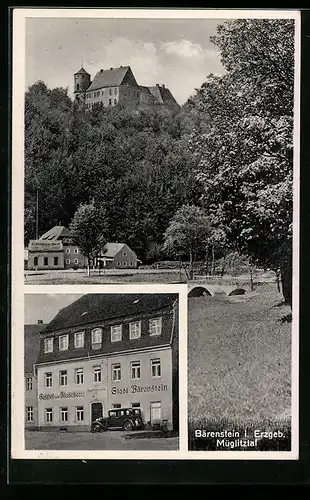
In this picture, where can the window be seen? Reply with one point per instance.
(48, 414)
(76, 250)
(79, 376)
(155, 326)
(76, 261)
(29, 384)
(55, 261)
(118, 263)
(135, 370)
(63, 377)
(135, 405)
(102, 92)
(125, 254)
(97, 374)
(67, 250)
(115, 91)
(116, 372)
(115, 102)
(45, 261)
(116, 405)
(124, 263)
(155, 368)
(135, 330)
(48, 344)
(79, 413)
(77, 86)
(110, 102)
(156, 410)
(79, 339)
(29, 413)
(110, 91)
(48, 379)
(63, 342)
(116, 333)
(67, 261)
(35, 261)
(96, 338)
(130, 263)
(64, 414)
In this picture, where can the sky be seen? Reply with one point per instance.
(176, 52)
(46, 306)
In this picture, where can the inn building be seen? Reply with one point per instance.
(108, 351)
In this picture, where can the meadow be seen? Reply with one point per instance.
(239, 364)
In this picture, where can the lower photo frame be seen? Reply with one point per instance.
(150, 372)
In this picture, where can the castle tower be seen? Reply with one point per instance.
(81, 84)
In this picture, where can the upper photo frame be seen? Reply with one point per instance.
(155, 146)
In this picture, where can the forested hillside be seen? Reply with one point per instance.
(134, 163)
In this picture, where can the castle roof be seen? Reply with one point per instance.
(162, 95)
(92, 308)
(109, 78)
(82, 72)
(56, 233)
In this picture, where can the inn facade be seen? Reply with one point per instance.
(108, 351)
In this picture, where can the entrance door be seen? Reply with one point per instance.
(155, 412)
(96, 411)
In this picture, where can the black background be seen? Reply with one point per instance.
(16, 473)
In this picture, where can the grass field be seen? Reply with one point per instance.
(239, 362)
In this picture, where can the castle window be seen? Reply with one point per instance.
(115, 102)
(102, 93)
(45, 262)
(110, 91)
(77, 86)
(67, 250)
(110, 102)
(35, 261)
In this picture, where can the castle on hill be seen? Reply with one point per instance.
(118, 86)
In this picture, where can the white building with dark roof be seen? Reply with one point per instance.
(118, 86)
(108, 351)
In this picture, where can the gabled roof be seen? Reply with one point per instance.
(55, 233)
(109, 78)
(32, 345)
(92, 308)
(162, 95)
(112, 249)
(82, 72)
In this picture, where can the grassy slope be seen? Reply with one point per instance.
(239, 355)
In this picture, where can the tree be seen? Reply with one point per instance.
(88, 231)
(246, 157)
(187, 233)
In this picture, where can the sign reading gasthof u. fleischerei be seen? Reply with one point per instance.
(37, 245)
(62, 395)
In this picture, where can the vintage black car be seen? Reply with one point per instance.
(128, 419)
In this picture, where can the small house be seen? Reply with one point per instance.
(117, 255)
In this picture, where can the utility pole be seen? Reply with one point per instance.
(37, 215)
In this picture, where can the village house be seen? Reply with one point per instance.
(118, 86)
(108, 351)
(31, 352)
(55, 250)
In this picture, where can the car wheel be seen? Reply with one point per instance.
(96, 428)
(128, 426)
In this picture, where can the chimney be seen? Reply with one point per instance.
(40, 322)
